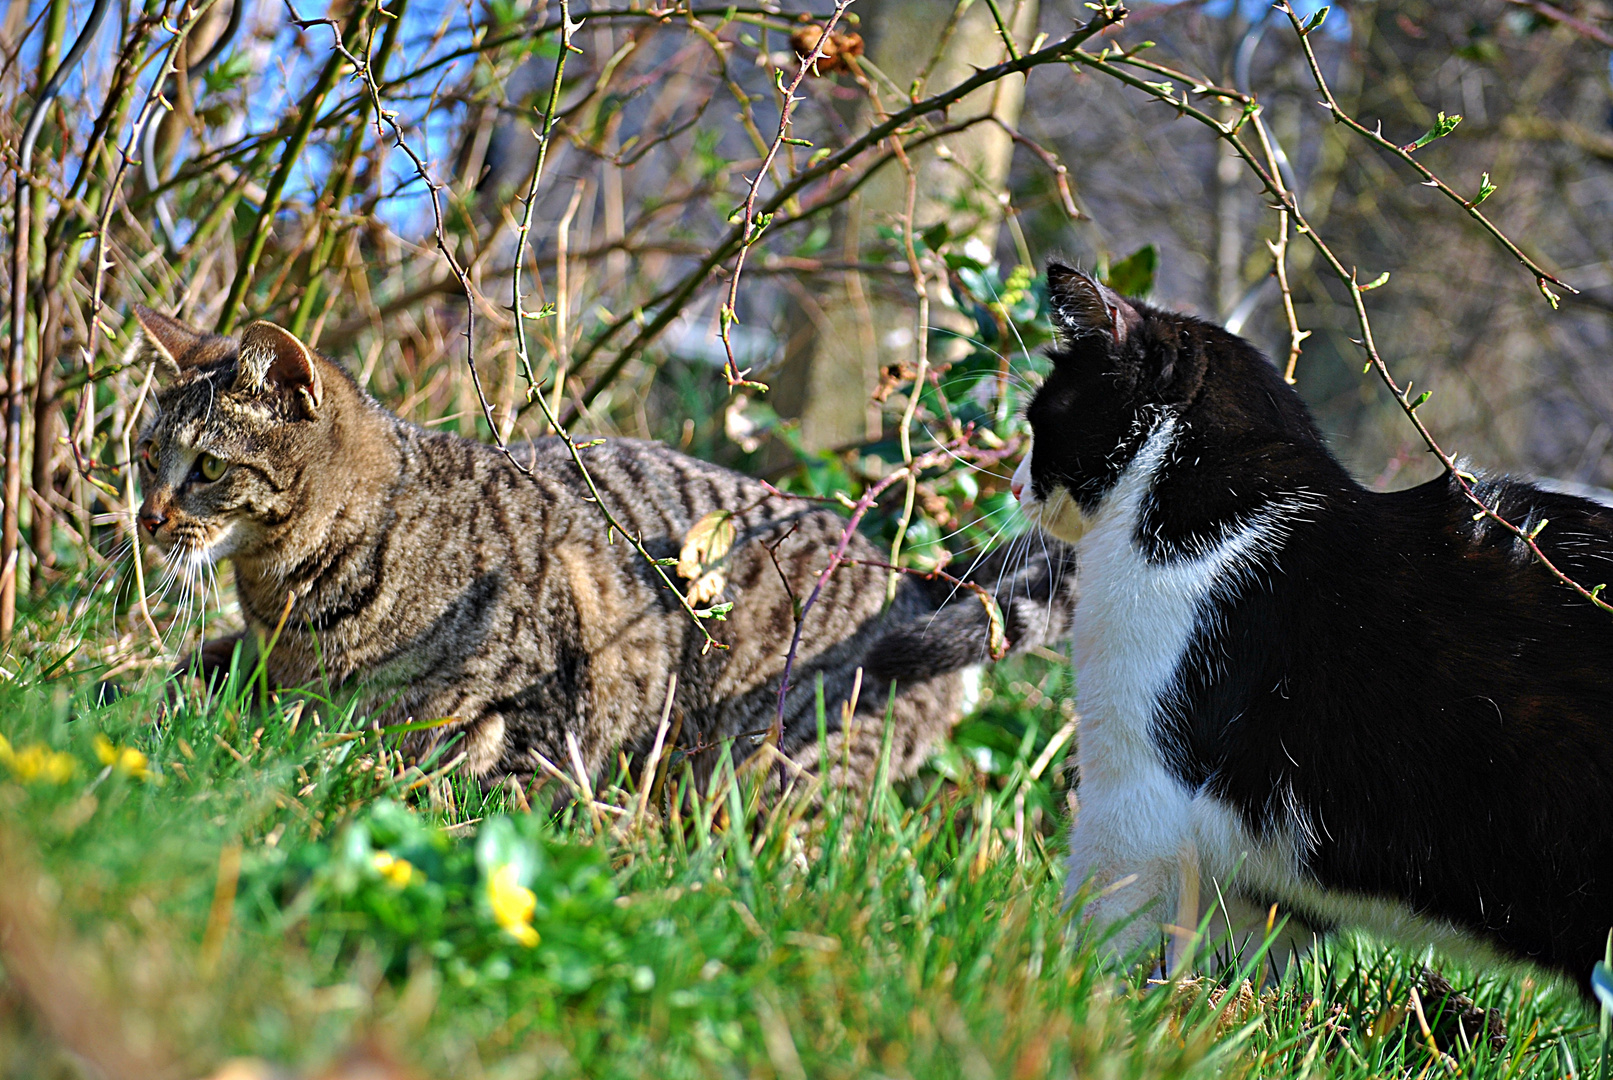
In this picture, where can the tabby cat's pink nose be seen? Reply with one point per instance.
(1016, 486)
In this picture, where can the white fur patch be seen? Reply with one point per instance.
(969, 698)
(1138, 824)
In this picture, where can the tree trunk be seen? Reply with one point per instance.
(840, 338)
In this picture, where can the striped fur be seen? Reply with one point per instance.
(431, 575)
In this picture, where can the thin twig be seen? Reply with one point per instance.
(1404, 153)
(1558, 15)
(10, 551)
(670, 301)
(750, 226)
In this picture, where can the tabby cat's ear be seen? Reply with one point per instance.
(172, 344)
(1083, 306)
(274, 361)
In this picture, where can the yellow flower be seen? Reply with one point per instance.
(397, 871)
(513, 905)
(126, 760)
(38, 762)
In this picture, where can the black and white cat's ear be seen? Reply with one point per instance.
(1083, 306)
(173, 345)
(274, 360)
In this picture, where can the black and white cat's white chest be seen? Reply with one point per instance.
(1160, 589)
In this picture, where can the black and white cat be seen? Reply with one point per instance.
(1370, 709)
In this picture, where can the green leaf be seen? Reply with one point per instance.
(1315, 20)
(1486, 189)
(1443, 126)
(227, 73)
(1134, 275)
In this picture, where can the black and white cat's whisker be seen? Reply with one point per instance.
(984, 517)
(1013, 329)
(959, 579)
(942, 446)
(986, 550)
(1018, 379)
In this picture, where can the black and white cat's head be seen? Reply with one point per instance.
(1121, 368)
(1124, 371)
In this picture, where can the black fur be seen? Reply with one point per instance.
(1032, 580)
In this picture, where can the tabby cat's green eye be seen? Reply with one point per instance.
(212, 467)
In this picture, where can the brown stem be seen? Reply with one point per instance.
(21, 246)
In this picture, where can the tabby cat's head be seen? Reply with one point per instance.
(1121, 366)
(225, 462)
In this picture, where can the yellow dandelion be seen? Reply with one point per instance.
(39, 762)
(126, 759)
(513, 905)
(399, 872)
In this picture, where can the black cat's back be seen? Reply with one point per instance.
(1417, 678)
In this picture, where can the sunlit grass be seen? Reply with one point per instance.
(272, 880)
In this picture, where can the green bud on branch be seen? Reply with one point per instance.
(1443, 126)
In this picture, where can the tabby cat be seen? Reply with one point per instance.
(1372, 710)
(430, 574)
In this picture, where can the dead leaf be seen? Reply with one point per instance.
(706, 588)
(707, 541)
(839, 52)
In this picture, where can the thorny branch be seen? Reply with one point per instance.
(1107, 62)
(362, 70)
(750, 228)
(1404, 153)
(671, 300)
(870, 496)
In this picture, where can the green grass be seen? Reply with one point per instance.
(233, 903)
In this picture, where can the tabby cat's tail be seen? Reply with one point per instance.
(1032, 578)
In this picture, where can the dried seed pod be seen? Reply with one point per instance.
(837, 51)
